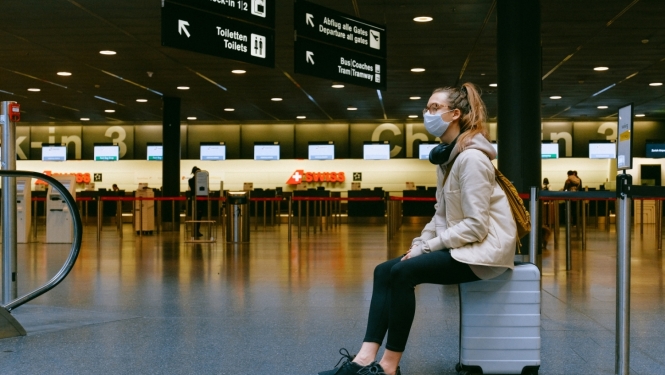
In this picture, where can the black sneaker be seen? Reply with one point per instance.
(348, 367)
(375, 368)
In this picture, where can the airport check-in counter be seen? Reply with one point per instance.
(368, 208)
(415, 208)
(59, 227)
(315, 207)
(23, 209)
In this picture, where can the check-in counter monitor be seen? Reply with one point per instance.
(59, 225)
(23, 209)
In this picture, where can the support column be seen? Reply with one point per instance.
(171, 159)
(519, 86)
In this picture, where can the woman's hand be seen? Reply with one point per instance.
(414, 251)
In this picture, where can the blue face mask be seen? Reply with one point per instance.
(435, 124)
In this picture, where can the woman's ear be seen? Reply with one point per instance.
(456, 114)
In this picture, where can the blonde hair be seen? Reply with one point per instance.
(474, 114)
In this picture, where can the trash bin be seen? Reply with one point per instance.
(237, 216)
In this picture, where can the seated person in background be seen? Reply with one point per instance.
(115, 187)
(572, 183)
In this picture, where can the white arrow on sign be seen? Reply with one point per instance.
(181, 27)
(309, 19)
(309, 57)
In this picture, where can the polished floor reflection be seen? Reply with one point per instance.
(155, 304)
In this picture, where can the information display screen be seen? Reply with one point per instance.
(321, 151)
(213, 151)
(602, 150)
(655, 149)
(425, 148)
(376, 151)
(54, 152)
(266, 151)
(107, 153)
(549, 151)
(155, 152)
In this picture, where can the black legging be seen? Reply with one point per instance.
(393, 296)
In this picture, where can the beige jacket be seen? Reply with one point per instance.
(473, 217)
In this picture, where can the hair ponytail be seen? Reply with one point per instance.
(474, 114)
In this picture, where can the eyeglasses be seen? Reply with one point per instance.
(434, 108)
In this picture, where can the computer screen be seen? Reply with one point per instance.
(321, 151)
(602, 150)
(211, 151)
(54, 152)
(655, 149)
(549, 151)
(496, 147)
(107, 153)
(266, 151)
(155, 152)
(376, 151)
(425, 148)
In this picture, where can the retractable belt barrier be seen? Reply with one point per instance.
(265, 201)
(119, 200)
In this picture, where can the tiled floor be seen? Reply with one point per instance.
(156, 305)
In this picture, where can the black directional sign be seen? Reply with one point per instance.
(261, 12)
(338, 64)
(200, 31)
(330, 26)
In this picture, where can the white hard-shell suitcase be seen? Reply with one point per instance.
(500, 323)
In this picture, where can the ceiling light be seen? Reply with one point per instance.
(107, 52)
(418, 70)
(656, 84)
(34, 90)
(413, 116)
(337, 86)
(191, 118)
(352, 109)
(414, 97)
(555, 97)
(493, 85)
(183, 87)
(64, 74)
(141, 100)
(640, 115)
(423, 19)
(602, 107)
(238, 71)
(109, 110)
(301, 117)
(229, 109)
(85, 119)
(601, 68)
(276, 99)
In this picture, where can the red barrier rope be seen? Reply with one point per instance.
(130, 199)
(268, 199)
(351, 199)
(413, 199)
(222, 199)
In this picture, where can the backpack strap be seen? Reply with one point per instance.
(450, 166)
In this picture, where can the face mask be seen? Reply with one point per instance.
(434, 124)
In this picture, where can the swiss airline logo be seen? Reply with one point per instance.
(301, 176)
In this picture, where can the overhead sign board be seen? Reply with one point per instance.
(201, 31)
(261, 12)
(625, 143)
(338, 64)
(330, 26)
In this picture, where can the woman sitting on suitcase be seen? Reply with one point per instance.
(472, 235)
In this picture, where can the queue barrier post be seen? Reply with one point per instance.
(623, 207)
(288, 218)
(569, 262)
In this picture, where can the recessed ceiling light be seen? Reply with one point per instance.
(337, 86)
(413, 116)
(423, 19)
(301, 117)
(107, 52)
(141, 100)
(191, 118)
(602, 107)
(183, 87)
(601, 68)
(64, 74)
(414, 97)
(34, 90)
(229, 109)
(352, 109)
(418, 70)
(276, 99)
(238, 71)
(493, 85)
(109, 110)
(656, 84)
(555, 97)
(85, 119)
(640, 115)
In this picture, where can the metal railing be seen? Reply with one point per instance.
(76, 243)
